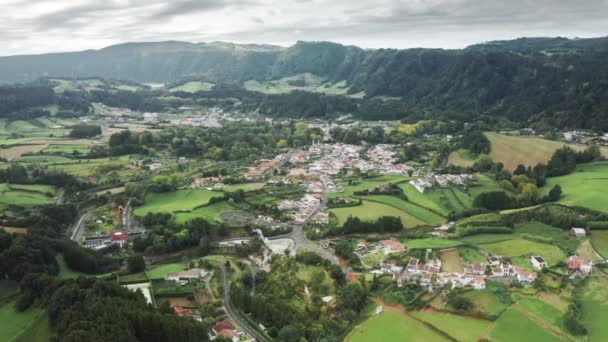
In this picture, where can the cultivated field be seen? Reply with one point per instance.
(450, 261)
(513, 325)
(542, 309)
(595, 306)
(459, 327)
(24, 195)
(393, 326)
(599, 239)
(193, 87)
(372, 210)
(170, 202)
(210, 212)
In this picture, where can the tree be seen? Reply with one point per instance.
(344, 249)
(354, 296)
(136, 264)
(555, 193)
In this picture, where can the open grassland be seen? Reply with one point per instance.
(486, 301)
(14, 323)
(420, 213)
(471, 254)
(39, 331)
(369, 211)
(550, 234)
(170, 202)
(585, 188)
(595, 306)
(210, 213)
(159, 272)
(515, 326)
(543, 310)
(67, 149)
(423, 200)
(193, 87)
(459, 327)
(599, 239)
(481, 239)
(522, 247)
(514, 150)
(393, 326)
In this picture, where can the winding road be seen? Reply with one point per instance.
(232, 312)
(79, 228)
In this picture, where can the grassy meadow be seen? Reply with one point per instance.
(170, 202)
(13, 324)
(193, 87)
(513, 325)
(393, 326)
(369, 210)
(585, 188)
(459, 327)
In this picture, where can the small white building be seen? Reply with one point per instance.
(538, 262)
(578, 232)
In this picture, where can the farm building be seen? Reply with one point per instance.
(578, 232)
(538, 262)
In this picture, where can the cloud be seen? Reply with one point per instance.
(60, 25)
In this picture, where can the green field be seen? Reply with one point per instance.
(522, 247)
(24, 195)
(210, 212)
(193, 87)
(67, 149)
(459, 327)
(471, 254)
(13, 323)
(595, 307)
(585, 188)
(515, 326)
(170, 202)
(420, 213)
(391, 326)
(461, 157)
(599, 239)
(159, 272)
(432, 243)
(481, 239)
(543, 310)
(372, 210)
(244, 187)
(368, 184)
(486, 301)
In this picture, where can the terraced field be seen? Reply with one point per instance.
(170, 202)
(392, 326)
(369, 210)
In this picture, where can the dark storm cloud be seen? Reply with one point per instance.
(55, 25)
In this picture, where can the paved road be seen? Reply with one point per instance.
(126, 216)
(79, 228)
(232, 312)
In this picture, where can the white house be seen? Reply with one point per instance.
(538, 262)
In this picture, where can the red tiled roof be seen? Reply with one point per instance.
(222, 325)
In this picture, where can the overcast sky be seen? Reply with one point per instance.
(37, 26)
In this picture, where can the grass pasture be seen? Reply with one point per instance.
(459, 327)
(434, 243)
(515, 326)
(599, 239)
(175, 201)
(595, 306)
(513, 150)
(24, 196)
(392, 326)
(585, 188)
(420, 213)
(369, 210)
(543, 310)
(210, 212)
(13, 324)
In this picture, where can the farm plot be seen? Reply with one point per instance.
(372, 210)
(461, 328)
(211, 212)
(543, 310)
(10, 195)
(159, 272)
(513, 325)
(585, 187)
(193, 87)
(432, 243)
(244, 187)
(421, 213)
(170, 202)
(515, 150)
(15, 152)
(450, 261)
(368, 184)
(595, 306)
(522, 247)
(393, 326)
(599, 239)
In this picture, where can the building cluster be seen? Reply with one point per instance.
(579, 266)
(226, 331)
(209, 183)
(442, 181)
(184, 276)
(121, 239)
(303, 208)
(259, 171)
